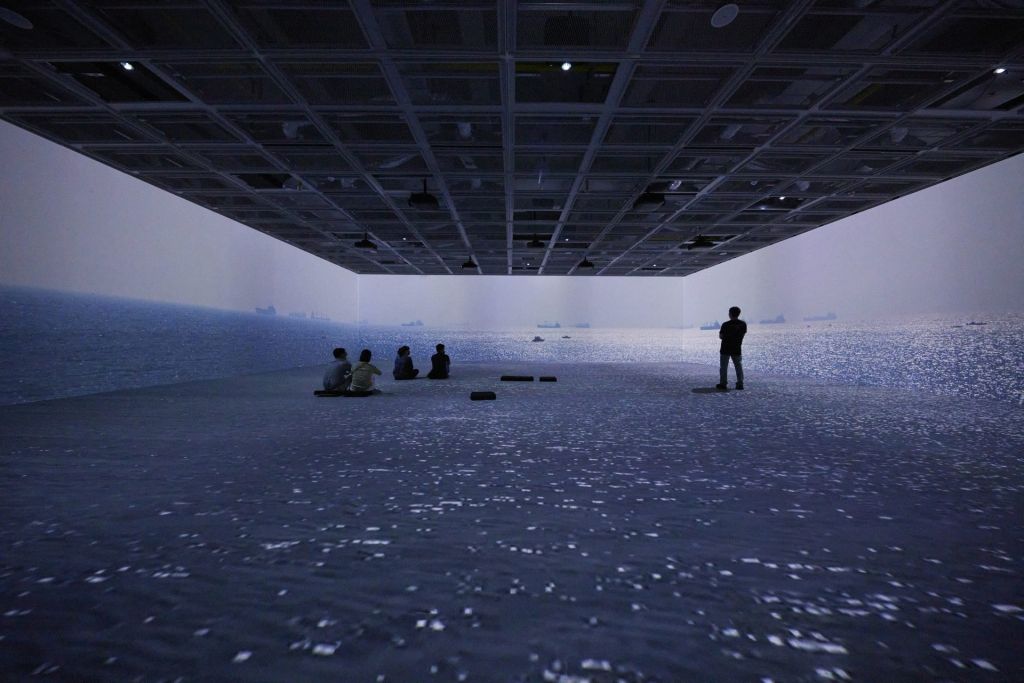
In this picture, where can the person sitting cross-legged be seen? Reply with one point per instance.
(339, 374)
(440, 364)
(363, 372)
(403, 365)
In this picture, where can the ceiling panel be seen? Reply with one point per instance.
(651, 138)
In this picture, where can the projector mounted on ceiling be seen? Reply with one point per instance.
(364, 243)
(649, 201)
(423, 200)
(700, 242)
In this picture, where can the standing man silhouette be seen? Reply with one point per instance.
(731, 333)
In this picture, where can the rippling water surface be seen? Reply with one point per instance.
(56, 344)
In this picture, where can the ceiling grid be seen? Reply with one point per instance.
(525, 137)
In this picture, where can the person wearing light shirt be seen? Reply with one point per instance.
(363, 372)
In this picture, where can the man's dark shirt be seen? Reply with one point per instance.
(732, 332)
(439, 364)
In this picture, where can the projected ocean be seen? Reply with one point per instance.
(56, 344)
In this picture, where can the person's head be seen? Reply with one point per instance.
(403, 350)
(340, 353)
(365, 355)
(734, 312)
(440, 348)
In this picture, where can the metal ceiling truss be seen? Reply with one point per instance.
(663, 147)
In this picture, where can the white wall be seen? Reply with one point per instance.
(957, 246)
(498, 301)
(70, 223)
(67, 222)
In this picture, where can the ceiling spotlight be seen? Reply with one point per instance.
(725, 15)
(14, 19)
(782, 198)
(566, 66)
(585, 263)
(1000, 70)
(469, 264)
(127, 66)
(365, 243)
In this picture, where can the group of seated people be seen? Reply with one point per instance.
(342, 376)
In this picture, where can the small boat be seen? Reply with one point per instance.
(269, 310)
(975, 323)
(565, 336)
(711, 326)
(777, 320)
(538, 339)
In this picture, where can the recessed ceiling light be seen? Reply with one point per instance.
(127, 66)
(566, 66)
(782, 198)
(1000, 70)
(725, 15)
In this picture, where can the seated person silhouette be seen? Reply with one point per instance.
(440, 364)
(363, 372)
(339, 374)
(403, 365)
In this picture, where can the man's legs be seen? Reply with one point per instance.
(737, 360)
(723, 370)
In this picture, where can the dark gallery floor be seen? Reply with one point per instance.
(612, 526)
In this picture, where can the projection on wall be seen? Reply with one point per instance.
(476, 340)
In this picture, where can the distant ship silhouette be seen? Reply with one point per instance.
(777, 320)
(711, 326)
(814, 318)
(414, 323)
(549, 325)
(269, 310)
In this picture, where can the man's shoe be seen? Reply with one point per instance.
(721, 387)
(739, 387)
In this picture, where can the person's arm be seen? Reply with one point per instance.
(720, 328)
(375, 370)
